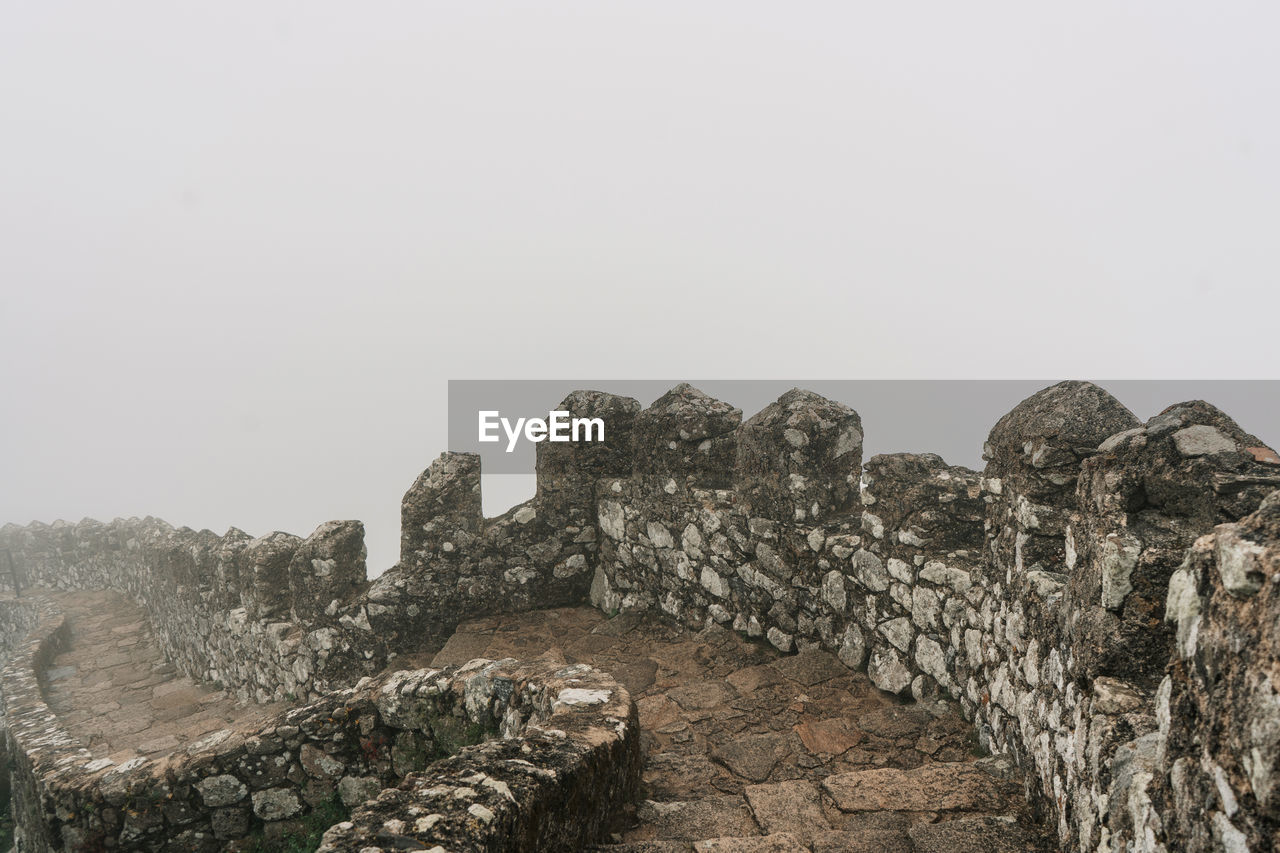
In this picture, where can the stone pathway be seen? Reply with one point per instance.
(746, 750)
(114, 690)
(750, 751)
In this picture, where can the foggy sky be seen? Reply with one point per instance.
(243, 247)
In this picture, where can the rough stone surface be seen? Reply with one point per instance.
(687, 438)
(1218, 708)
(972, 835)
(1098, 603)
(717, 695)
(327, 570)
(800, 458)
(932, 788)
(794, 806)
(1141, 504)
(572, 730)
(1013, 591)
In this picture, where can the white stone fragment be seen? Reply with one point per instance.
(583, 696)
(613, 520)
(833, 591)
(1238, 561)
(713, 583)
(659, 535)
(901, 570)
(1182, 607)
(481, 813)
(1119, 557)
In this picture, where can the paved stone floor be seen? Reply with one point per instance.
(114, 690)
(751, 751)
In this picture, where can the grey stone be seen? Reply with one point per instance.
(853, 647)
(708, 817)
(1202, 440)
(981, 834)
(870, 571)
(898, 632)
(221, 790)
(1112, 696)
(355, 790)
(1239, 563)
(276, 803)
(887, 671)
(752, 757)
(1119, 557)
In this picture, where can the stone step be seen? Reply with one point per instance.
(792, 807)
(966, 834)
(778, 842)
(941, 787)
(977, 834)
(691, 820)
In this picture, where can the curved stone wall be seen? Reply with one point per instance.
(565, 748)
(558, 786)
(33, 631)
(222, 608)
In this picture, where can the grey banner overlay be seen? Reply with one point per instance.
(947, 417)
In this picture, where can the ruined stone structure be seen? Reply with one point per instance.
(1101, 602)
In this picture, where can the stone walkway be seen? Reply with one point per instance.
(746, 750)
(114, 690)
(750, 751)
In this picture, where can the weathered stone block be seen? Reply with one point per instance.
(328, 566)
(221, 790)
(1034, 452)
(567, 472)
(276, 803)
(228, 558)
(442, 502)
(267, 559)
(1141, 504)
(687, 437)
(1219, 705)
(800, 459)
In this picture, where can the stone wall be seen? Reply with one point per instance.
(32, 634)
(1100, 600)
(229, 609)
(455, 564)
(1088, 568)
(1216, 761)
(281, 617)
(565, 732)
(285, 618)
(559, 785)
(1033, 593)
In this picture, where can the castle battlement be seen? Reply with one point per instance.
(1100, 602)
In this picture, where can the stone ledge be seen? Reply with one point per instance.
(554, 787)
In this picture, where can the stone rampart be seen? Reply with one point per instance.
(1100, 601)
